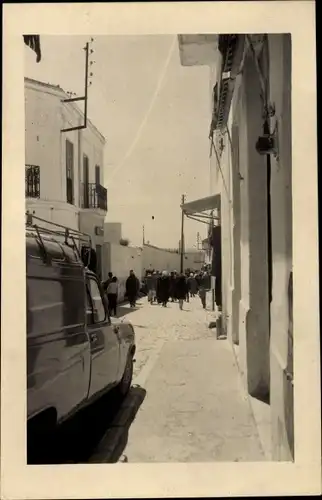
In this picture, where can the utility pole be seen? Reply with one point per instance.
(182, 234)
(84, 98)
(143, 234)
(86, 84)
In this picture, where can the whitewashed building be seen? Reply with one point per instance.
(250, 125)
(64, 170)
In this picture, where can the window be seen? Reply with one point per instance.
(54, 304)
(70, 171)
(32, 181)
(45, 306)
(98, 308)
(97, 175)
(85, 181)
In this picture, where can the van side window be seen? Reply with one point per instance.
(99, 313)
(45, 305)
(53, 304)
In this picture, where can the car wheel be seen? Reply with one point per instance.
(126, 382)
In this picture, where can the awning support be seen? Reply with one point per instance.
(209, 218)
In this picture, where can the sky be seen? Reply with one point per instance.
(155, 116)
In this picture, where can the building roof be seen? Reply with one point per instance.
(58, 89)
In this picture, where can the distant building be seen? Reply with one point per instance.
(64, 171)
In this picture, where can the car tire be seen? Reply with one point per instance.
(124, 386)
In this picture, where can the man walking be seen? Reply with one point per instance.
(164, 288)
(172, 286)
(108, 281)
(187, 287)
(150, 287)
(181, 289)
(112, 292)
(193, 285)
(132, 287)
(203, 288)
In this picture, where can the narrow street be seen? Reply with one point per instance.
(190, 404)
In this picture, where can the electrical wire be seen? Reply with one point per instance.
(229, 138)
(259, 71)
(148, 111)
(220, 169)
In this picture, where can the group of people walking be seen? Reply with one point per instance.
(132, 288)
(162, 287)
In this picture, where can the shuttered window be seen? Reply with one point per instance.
(70, 172)
(97, 175)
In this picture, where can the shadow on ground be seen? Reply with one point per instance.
(123, 310)
(112, 446)
(86, 434)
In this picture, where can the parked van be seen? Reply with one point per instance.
(75, 351)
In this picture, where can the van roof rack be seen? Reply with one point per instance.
(70, 235)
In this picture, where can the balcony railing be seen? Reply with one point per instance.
(32, 181)
(94, 196)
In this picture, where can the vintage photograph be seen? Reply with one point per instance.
(158, 224)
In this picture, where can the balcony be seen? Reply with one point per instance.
(94, 196)
(32, 181)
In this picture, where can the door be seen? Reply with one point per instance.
(69, 172)
(104, 341)
(97, 175)
(99, 261)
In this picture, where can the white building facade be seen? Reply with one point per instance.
(64, 170)
(251, 162)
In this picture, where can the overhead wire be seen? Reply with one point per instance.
(148, 111)
(220, 169)
(260, 73)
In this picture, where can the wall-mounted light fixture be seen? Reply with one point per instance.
(267, 144)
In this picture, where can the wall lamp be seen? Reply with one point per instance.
(267, 144)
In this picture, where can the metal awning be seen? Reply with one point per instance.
(196, 209)
(202, 205)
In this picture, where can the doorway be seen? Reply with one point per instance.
(86, 181)
(99, 261)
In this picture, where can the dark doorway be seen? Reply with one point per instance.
(69, 172)
(97, 175)
(99, 261)
(86, 180)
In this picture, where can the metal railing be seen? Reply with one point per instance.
(32, 181)
(94, 196)
(38, 227)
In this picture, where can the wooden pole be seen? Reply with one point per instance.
(86, 84)
(182, 235)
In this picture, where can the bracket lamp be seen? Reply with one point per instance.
(267, 144)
